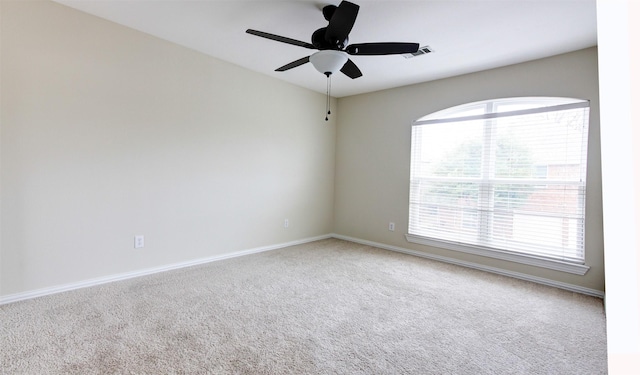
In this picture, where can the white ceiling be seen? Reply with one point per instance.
(465, 35)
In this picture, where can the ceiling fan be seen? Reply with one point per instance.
(332, 45)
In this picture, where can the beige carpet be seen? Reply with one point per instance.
(328, 307)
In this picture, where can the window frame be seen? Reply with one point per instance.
(579, 268)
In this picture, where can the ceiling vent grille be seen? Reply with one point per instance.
(421, 51)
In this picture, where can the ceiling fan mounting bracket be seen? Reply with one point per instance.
(328, 11)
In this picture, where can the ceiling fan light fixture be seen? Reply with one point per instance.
(328, 62)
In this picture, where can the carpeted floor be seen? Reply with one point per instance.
(327, 307)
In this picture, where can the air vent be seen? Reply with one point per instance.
(421, 51)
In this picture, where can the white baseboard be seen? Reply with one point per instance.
(517, 275)
(129, 275)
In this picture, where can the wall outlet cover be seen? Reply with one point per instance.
(138, 242)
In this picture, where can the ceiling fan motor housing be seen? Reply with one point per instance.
(320, 41)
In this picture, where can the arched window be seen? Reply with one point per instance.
(504, 178)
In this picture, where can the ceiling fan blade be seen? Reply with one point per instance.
(341, 23)
(282, 39)
(291, 65)
(389, 48)
(351, 70)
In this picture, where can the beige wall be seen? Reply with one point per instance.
(373, 152)
(107, 132)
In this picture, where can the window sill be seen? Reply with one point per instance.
(557, 265)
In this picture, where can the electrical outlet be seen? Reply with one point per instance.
(286, 223)
(392, 226)
(138, 242)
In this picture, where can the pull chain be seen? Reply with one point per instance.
(328, 103)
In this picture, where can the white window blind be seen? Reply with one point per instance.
(507, 175)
